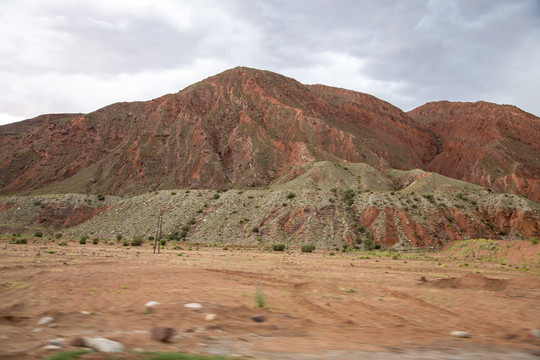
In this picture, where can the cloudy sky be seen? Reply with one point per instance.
(80, 55)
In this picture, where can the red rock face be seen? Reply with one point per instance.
(246, 128)
(241, 128)
(496, 146)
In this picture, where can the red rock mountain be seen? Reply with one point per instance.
(247, 127)
(496, 146)
(243, 127)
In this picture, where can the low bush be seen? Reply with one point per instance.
(308, 248)
(95, 241)
(38, 234)
(278, 247)
(137, 241)
(534, 240)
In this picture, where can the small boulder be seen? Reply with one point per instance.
(56, 342)
(535, 333)
(162, 333)
(210, 317)
(51, 347)
(151, 304)
(45, 320)
(193, 306)
(258, 318)
(103, 345)
(460, 334)
(78, 342)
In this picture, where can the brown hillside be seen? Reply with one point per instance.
(496, 146)
(243, 127)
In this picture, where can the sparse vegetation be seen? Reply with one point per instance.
(534, 240)
(38, 234)
(260, 298)
(308, 248)
(278, 247)
(137, 241)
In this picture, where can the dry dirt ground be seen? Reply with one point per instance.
(345, 306)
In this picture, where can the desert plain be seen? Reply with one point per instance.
(325, 304)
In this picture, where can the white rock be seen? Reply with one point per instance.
(151, 303)
(210, 317)
(85, 312)
(45, 320)
(103, 345)
(36, 330)
(51, 347)
(535, 333)
(460, 334)
(194, 306)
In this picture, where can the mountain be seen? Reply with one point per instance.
(247, 128)
(495, 146)
(241, 128)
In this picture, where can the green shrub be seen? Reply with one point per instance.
(260, 298)
(38, 234)
(186, 228)
(368, 244)
(534, 240)
(100, 197)
(192, 221)
(163, 242)
(278, 247)
(291, 195)
(62, 243)
(118, 237)
(95, 241)
(151, 238)
(308, 248)
(125, 243)
(137, 241)
(255, 229)
(20, 241)
(82, 241)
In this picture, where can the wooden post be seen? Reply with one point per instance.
(157, 242)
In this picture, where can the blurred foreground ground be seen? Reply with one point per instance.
(341, 306)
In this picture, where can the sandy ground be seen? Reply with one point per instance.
(344, 306)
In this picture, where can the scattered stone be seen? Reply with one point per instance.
(45, 320)
(37, 330)
(460, 334)
(535, 333)
(193, 306)
(85, 312)
(51, 347)
(53, 325)
(78, 342)
(258, 318)
(103, 345)
(210, 317)
(151, 304)
(56, 342)
(161, 333)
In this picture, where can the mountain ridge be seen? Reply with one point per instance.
(244, 128)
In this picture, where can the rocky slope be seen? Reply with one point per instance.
(331, 205)
(241, 128)
(496, 146)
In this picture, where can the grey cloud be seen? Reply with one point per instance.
(406, 52)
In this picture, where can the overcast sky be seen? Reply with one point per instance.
(78, 55)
